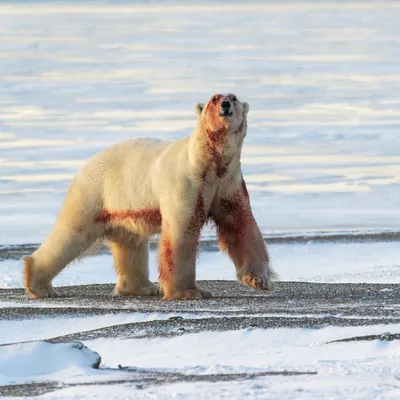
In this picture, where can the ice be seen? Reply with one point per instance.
(322, 80)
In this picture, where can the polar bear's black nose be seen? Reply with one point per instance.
(226, 105)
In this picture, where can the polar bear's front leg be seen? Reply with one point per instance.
(240, 237)
(177, 258)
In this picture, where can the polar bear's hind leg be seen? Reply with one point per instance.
(131, 266)
(58, 250)
(36, 288)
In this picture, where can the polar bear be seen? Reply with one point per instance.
(141, 187)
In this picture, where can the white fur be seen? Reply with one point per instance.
(146, 175)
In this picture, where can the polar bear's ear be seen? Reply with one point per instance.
(199, 108)
(246, 107)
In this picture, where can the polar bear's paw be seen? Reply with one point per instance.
(149, 289)
(35, 282)
(257, 281)
(41, 291)
(191, 294)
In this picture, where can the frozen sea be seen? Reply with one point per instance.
(322, 80)
(321, 155)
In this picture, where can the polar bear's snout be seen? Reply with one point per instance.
(226, 104)
(223, 113)
(226, 108)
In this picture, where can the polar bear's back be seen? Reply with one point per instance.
(141, 150)
(118, 176)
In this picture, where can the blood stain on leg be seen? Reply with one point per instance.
(166, 259)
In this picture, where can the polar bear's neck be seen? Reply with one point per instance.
(216, 152)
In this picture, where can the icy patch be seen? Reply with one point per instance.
(44, 361)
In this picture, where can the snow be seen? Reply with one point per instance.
(43, 361)
(345, 370)
(370, 367)
(222, 352)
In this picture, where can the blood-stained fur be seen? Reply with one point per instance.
(141, 187)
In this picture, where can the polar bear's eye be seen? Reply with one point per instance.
(214, 99)
(234, 98)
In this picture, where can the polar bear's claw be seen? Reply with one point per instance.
(257, 282)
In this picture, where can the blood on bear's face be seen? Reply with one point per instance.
(224, 111)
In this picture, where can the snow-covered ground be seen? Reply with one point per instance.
(322, 154)
(360, 370)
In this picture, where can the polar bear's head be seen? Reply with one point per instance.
(223, 111)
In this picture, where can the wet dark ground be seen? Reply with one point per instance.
(335, 301)
(234, 306)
